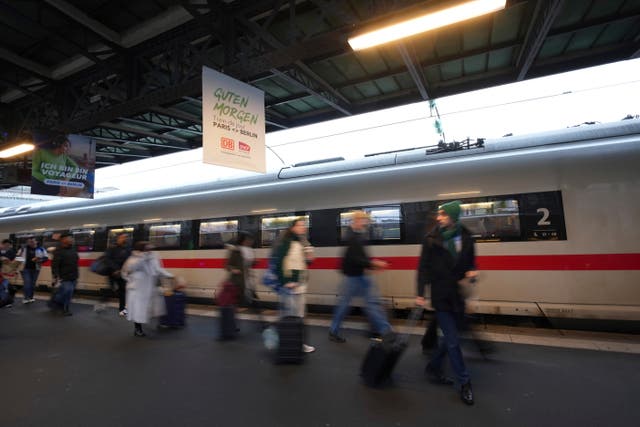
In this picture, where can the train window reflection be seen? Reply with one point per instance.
(492, 220)
(165, 236)
(83, 239)
(384, 223)
(50, 239)
(115, 232)
(214, 234)
(273, 227)
(21, 240)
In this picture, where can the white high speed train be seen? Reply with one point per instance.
(555, 216)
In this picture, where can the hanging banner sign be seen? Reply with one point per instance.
(63, 165)
(232, 123)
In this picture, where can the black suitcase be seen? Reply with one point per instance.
(383, 354)
(228, 328)
(290, 339)
(382, 357)
(175, 304)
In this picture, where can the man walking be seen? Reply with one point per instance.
(64, 268)
(448, 258)
(117, 255)
(354, 263)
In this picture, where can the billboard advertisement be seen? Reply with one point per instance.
(233, 123)
(63, 165)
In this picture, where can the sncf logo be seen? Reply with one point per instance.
(227, 144)
(244, 147)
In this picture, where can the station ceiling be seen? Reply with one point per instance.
(128, 73)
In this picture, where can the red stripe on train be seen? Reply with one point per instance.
(488, 262)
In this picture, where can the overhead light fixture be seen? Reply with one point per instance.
(264, 210)
(16, 150)
(459, 193)
(426, 22)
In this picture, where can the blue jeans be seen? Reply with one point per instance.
(450, 345)
(66, 288)
(29, 278)
(4, 289)
(363, 286)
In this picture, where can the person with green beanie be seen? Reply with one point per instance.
(448, 257)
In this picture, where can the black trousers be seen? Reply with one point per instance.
(119, 287)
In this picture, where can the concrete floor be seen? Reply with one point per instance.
(89, 370)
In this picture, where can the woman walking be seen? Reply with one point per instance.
(142, 271)
(293, 254)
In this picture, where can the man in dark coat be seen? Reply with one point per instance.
(447, 260)
(117, 255)
(64, 268)
(355, 264)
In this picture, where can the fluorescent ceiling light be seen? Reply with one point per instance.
(459, 193)
(427, 22)
(15, 150)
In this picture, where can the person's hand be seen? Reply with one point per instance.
(470, 276)
(379, 264)
(291, 285)
(420, 301)
(235, 271)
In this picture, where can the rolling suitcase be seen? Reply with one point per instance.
(175, 316)
(383, 354)
(290, 339)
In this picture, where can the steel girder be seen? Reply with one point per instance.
(168, 67)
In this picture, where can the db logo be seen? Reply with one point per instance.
(244, 147)
(227, 144)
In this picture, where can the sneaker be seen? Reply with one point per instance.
(123, 313)
(308, 348)
(139, 334)
(32, 300)
(67, 313)
(336, 338)
(466, 394)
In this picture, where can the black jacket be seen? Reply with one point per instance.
(355, 259)
(117, 255)
(65, 264)
(442, 271)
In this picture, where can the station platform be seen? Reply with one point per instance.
(89, 370)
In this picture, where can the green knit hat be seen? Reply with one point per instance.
(452, 209)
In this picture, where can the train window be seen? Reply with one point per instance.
(385, 223)
(50, 239)
(273, 227)
(214, 234)
(83, 239)
(493, 220)
(115, 232)
(21, 240)
(165, 236)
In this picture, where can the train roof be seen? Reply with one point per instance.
(369, 164)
